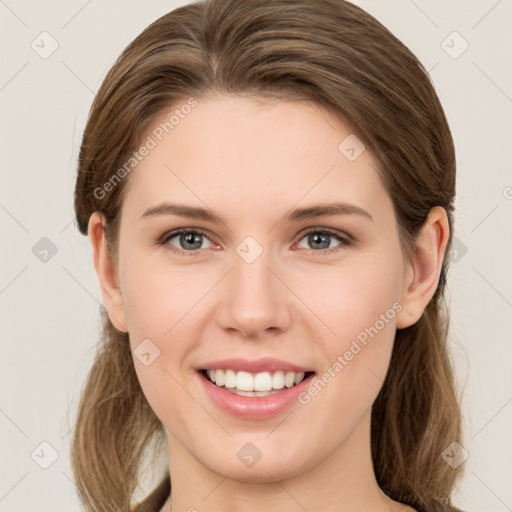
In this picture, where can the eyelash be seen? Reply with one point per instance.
(345, 240)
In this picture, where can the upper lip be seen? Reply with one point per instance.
(267, 364)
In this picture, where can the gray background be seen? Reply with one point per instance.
(49, 295)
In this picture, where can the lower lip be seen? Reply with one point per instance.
(258, 407)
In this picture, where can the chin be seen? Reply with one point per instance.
(247, 464)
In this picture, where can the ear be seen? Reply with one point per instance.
(423, 271)
(106, 272)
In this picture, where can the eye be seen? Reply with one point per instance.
(186, 240)
(191, 241)
(321, 240)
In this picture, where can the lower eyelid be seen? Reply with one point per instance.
(344, 240)
(342, 243)
(165, 240)
(342, 237)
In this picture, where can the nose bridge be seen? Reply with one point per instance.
(255, 301)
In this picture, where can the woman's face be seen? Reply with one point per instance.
(289, 268)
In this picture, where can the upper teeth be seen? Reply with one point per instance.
(264, 381)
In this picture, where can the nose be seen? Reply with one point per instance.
(255, 303)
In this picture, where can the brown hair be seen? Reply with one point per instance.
(339, 57)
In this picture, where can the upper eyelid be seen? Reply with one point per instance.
(175, 232)
(320, 229)
(342, 236)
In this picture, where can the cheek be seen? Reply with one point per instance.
(157, 297)
(161, 303)
(352, 297)
(158, 312)
(359, 303)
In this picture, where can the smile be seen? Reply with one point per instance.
(253, 389)
(260, 384)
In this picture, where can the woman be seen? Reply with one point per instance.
(268, 187)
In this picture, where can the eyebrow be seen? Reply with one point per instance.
(310, 212)
(326, 210)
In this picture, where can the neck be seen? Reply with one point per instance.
(343, 481)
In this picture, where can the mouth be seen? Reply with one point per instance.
(254, 389)
(261, 384)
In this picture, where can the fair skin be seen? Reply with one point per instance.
(251, 161)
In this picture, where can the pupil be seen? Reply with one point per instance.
(191, 238)
(319, 238)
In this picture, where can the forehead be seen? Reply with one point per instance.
(252, 155)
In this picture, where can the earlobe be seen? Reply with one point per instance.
(424, 270)
(106, 272)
